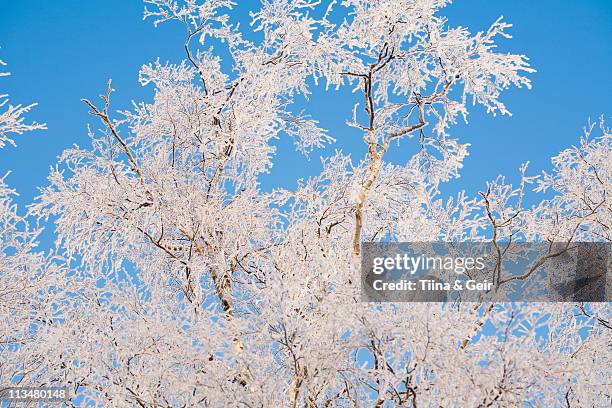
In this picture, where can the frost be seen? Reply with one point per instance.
(180, 283)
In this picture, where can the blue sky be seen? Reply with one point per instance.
(60, 51)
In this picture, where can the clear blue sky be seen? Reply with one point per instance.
(62, 50)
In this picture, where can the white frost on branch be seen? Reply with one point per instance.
(12, 121)
(189, 286)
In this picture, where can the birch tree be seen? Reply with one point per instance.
(188, 285)
(29, 278)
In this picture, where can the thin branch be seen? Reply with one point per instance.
(103, 115)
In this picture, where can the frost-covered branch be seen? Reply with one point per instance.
(12, 120)
(190, 286)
